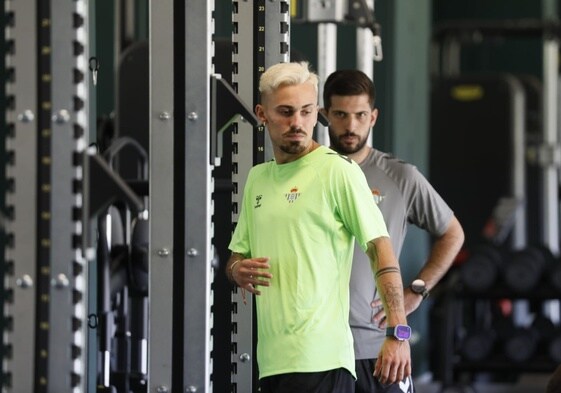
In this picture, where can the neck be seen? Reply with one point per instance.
(284, 158)
(360, 155)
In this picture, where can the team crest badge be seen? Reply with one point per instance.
(378, 197)
(292, 195)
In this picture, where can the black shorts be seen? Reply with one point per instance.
(366, 383)
(332, 381)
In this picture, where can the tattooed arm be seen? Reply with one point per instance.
(388, 279)
(394, 360)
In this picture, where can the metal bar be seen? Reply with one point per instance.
(21, 226)
(365, 47)
(68, 294)
(161, 192)
(524, 28)
(198, 187)
(243, 79)
(550, 138)
(518, 176)
(327, 63)
(261, 28)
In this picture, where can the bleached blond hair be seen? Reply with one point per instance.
(287, 74)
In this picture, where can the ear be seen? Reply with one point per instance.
(323, 111)
(373, 117)
(260, 112)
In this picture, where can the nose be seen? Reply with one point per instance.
(351, 123)
(296, 120)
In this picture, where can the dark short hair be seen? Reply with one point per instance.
(348, 83)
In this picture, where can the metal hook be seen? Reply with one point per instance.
(93, 321)
(94, 67)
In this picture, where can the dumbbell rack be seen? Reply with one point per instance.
(454, 306)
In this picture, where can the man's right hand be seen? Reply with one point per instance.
(250, 273)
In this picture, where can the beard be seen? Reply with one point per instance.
(294, 147)
(344, 148)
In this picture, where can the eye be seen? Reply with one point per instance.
(362, 115)
(339, 115)
(285, 112)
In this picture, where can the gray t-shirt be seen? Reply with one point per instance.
(404, 196)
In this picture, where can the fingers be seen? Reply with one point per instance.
(393, 364)
(383, 323)
(379, 318)
(391, 373)
(376, 303)
(379, 315)
(250, 273)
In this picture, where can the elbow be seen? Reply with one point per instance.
(456, 232)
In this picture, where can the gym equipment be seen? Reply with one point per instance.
(554, 275)
(521, 344)
(524, 269)
(46, 276)
(460, 114)
(487, 326)
(467, 102)
(482, 268)
(478, 345)
(261, 33)
(328, 16)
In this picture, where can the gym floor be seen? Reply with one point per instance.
(527, 383)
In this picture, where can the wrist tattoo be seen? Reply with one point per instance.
(386, 270)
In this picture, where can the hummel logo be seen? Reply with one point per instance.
(258, 201)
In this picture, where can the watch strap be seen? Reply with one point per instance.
(392, 331)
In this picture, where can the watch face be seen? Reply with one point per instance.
(403, 332)
(418, 286)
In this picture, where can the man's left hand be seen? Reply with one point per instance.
(394, 361)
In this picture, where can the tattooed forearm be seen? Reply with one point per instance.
(393, 296)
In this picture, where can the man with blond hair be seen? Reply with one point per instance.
(293, 248)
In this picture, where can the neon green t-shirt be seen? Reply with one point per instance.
(304, 216)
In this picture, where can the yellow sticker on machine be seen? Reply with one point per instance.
(467, 92)
(293, 8)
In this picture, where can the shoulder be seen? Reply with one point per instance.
(334, 160)
(393, 166)
(259, 169)
(257, 173)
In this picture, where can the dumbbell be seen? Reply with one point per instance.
(521, 343)
(478, 344)
(481, 270)
(523, 270)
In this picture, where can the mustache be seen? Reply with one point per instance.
(348, 133)
(295, 130)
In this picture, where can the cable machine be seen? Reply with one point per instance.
(190, 108)
(261, 33)
(47, 119)
(60, 191)
(327, 16)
